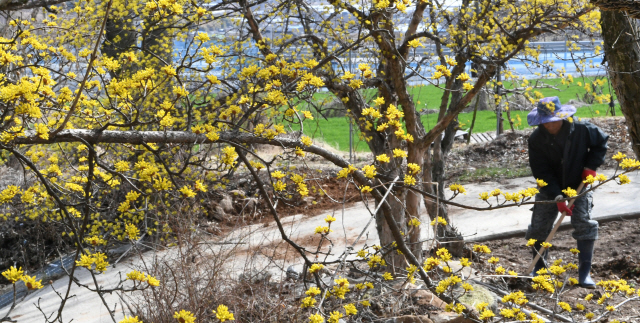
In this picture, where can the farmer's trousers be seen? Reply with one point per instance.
(544, 216)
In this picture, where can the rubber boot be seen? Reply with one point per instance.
(541, 261)
(584, 267)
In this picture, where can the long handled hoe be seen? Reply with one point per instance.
(553, 232)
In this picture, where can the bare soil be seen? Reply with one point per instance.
(509, 152)
(329, 194)
(616, 256)
(506, 157)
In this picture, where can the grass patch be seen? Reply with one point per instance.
(491, 173)
(564, 92)
(335, 131)
(486, 120)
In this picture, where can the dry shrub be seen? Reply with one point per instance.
(199, 276)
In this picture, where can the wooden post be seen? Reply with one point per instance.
(499, 119)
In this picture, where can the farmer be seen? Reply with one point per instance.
(563, 153)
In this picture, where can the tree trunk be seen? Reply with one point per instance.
(510, 120)
(412, 201)
(435, 172)
(436, 163)
(393, 259)
(120, 37)
(622, 52)
(473, 120)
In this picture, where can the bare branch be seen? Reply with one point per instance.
(8, 5)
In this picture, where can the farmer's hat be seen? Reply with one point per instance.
(548, 110)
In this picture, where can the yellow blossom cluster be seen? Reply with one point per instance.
(569, 192)
(315, 268)
(447, 283)
(222, 313)
(375, 260)
(340, 288)
(141, 277)
(13, 274)
(414, 222)
(130, 319)
(457, 189)
(343, 173)
(440, 220)
(268, 132)
(184, 316)
(98, 259)
(369, 171)
(629, 164)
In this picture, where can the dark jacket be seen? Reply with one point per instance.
(585, 146)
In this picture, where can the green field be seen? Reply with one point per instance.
(335, 131)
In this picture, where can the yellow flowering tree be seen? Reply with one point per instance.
(487, 34)
(210, 93)
(125, 115)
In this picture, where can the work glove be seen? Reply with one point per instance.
(562, 207)
(586, 172)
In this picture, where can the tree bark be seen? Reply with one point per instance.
(396, 210)
(412, 201)
(436, 162)
(622, 52)
(632, 8)
(473, 120)
(510, 120)
(120, 37)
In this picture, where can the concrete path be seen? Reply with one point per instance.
(83, 306)
(610, 199)
(263, 247)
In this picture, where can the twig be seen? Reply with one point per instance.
(346, 252)
(616, 307)
(532, 305)
(128, 249)
(86, 75)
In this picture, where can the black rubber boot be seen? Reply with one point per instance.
(541, 261)
(584, 267)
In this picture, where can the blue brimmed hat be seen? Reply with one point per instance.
(548, 110)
